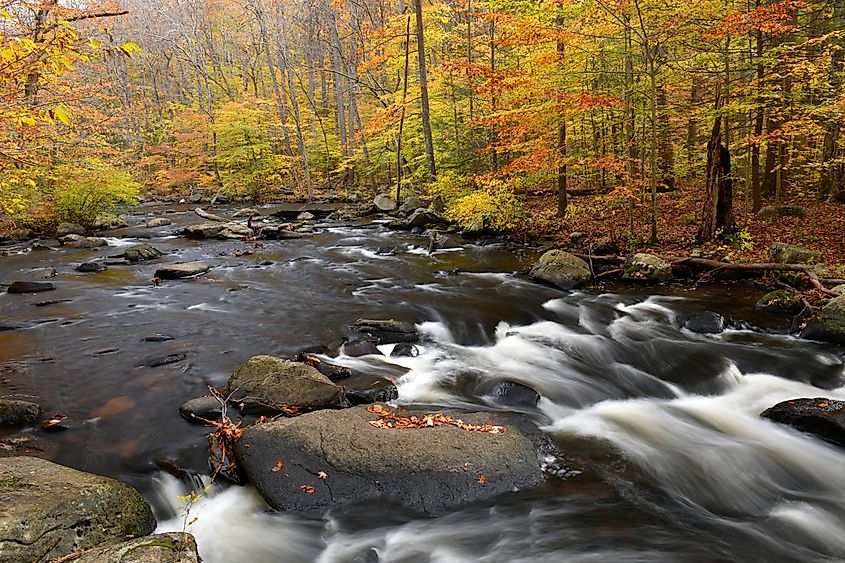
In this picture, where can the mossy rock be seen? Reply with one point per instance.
(829, 324)
(782, 211)
(174, 547)
(562, 269)
(780, 301)
(783, 253)
(647, 267)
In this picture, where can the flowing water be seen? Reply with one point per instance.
(667, 459)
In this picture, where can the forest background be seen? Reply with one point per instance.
(595, 119)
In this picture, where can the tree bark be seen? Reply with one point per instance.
(718, 202)
(426, 114)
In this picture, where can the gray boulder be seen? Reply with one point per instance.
(782, 253)
(247, 212)
(206, 407)
(158, 222)
(384, 202)
(647, 267)
(139, 252)
(90, 267)
(184, 270)
(218, 230)
(30, 287)
(429, 470)
(561, 269)
(782, 211)
(50, 510)
(65, 229)
(387, 331)
(424, 218)
(829, 324)
(410, 203)
(706, 322)
(305, 216)
(175, 547)
(267, 382)
(78, 241)
(107, 221)
(13, 413)
(823, 417)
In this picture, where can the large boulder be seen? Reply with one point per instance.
(214, 229)
(423, 218)
(314, 462)
(49, 510)
(829, 324)
(561, 269)
(706, 322)
(30, 287)
(782, 253)
(79, 241)
(65, 229)
(267, 382)
(387, 331)
(409, 204)
(823, 417)
(175, 547)
(780, 301)
(13, 413)
(384, 202)
(139, 252)
(107, 221)
(183, 270)
(647, 267)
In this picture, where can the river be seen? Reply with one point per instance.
(667, 459)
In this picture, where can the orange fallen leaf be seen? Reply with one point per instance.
(822, 404)
(278, 467)
(482, 479)
(307, 489)
(322, 475)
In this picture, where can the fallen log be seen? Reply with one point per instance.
(210, 216)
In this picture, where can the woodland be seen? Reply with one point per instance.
(637, 122)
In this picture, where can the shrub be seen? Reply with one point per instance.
(82, 193)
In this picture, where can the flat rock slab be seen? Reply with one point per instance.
(159, 548)
(140, 252)
(823, 417)
(429, 470)
(49, 510)
(184, 270)
(388, 331)
(30, 287)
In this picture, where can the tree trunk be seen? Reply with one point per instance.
(718, 202)
(561, 137)
(426, 116)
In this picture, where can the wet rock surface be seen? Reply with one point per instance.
(174, 547)
(562, 269)
(822, 417)
(13, 412)
(30, 287)
(184, 270)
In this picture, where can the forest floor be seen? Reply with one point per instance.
(605, 226)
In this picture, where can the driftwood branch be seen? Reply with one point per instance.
(210, 216)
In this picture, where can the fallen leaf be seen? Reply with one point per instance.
(822, 404)
(307, 489)
(278, 467)
(482, 479)
(54, 422)
(322, 475)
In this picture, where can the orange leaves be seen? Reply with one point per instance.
(387, 419)
(307, 489)
(775, 19)
(278, 466)
(482, 479)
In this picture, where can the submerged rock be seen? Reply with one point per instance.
(647, 267)
(829, 324)
(174, 547)
(823, 417)
(91, 267)
(267, 382)
(429, 470)
(561, 269)
(387, 331)
(206, 407)
(707, 322)
(782, 253)
(139, 252)
(30, 287)
(514, 394)
(50, 510)
(13, 413)
(184, 270)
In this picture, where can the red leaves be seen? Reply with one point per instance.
(387, 419)
(307, 489)
(278, 466)
(481, 479)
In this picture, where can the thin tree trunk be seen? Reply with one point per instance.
(426, 114)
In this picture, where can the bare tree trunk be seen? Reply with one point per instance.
(561, 137)
(399, 159)
(718, 202)
(426, 116)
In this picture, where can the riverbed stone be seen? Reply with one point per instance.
(706, 322)
(107, 221)
(513, 394)
(429, 470)
(384, 202)
(562, 269)
(387, 331)
(247, 212)
(409, 204)
(79, 241)
(14, 413)
(215, 229)
(65, 229)
(158, 222)
(782, 253)
(206, 407)
(647, 267)
(268, 382)
(49, 510)
(374, 390)
(183, 270)
(139, 252)
(173, 547)
(823, 417)
(780, 301)
(91, 267)
(829, 324)
(423, 217)
(30, 287)
(306, 216)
